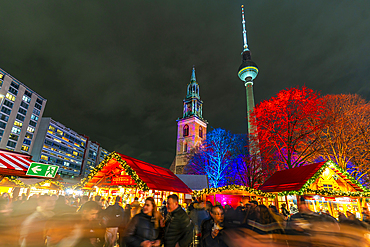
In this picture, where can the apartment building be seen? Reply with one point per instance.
(21, 111)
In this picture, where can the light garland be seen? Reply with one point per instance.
(16, 181)
(140, 184)
(198, 193)
(41, 184)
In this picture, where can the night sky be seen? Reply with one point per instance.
(117, 71)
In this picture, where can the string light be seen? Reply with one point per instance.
(140, 184)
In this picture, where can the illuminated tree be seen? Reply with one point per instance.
(287, 126)
(214, 157)
(345, 138)
(248, 169)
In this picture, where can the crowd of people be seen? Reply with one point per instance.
(59, 221)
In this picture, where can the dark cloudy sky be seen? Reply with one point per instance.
(117, 71)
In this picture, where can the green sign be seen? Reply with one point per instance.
(42, 170)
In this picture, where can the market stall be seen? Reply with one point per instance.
(325, 186)
(15, 181)
(128, 177)
(232, 195)
(12, 166)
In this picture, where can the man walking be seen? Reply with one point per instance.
(178, 226)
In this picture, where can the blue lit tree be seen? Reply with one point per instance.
(214, 157)
(224, 157)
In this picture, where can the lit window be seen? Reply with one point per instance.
(60, 132)
(75, 153)
(16, 123)
(16, 130)
(30, 129)
(44, 157)
(185, 130)
(33, 117)
(25, 148)
(13, 137)
(51, 128)
(28, 135)
(26, 99)
(11, 97)
(328, 187)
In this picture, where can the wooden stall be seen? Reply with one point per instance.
(232, 195)
(128, 177)
(325, 186)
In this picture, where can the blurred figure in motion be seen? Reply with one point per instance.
(113, 218)
(32, 229)
(285, 211)
(143, 229)
(135, 207)
(198, 214)
(212, 229)
(92, 233)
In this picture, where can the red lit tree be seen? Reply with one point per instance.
(288, 126)
(345, 138)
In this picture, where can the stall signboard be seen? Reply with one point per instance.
(123, 180)
(42, 170)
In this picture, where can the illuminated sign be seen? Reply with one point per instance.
(123, 180)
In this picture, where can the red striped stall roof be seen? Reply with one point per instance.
(14, 164)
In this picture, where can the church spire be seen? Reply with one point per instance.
(193, 78)
(192, 102)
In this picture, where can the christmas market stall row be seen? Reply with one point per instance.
(325, 186)
(128, 177)
(233, 195)
(15, 181)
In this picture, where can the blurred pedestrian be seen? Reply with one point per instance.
(164, 209)
(61, 206)
(113, 218)
(178, 226)
(285, 211)
(135, 207)
(32, 229)
(143, 229)
(92, 233)
(198, 214)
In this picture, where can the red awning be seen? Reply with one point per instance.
(155, 177)
(290, 179)
(14, 164)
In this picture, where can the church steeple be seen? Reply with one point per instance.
(192, 102)
(191, 128)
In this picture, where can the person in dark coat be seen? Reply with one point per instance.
(178, 226)
(113, 218)
(143, 229)
(212, 229)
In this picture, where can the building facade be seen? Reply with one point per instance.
(94, 155)
(58, 145)
(191, 128)
(21, 111)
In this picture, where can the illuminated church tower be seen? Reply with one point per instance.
(247, 72)
(191, 128)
